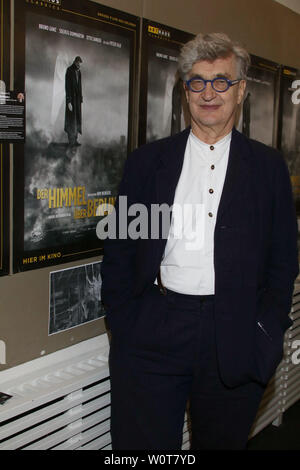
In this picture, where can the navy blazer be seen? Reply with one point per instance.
(255, 251)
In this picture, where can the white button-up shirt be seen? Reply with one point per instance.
(188, 265)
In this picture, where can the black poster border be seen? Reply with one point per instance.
(292, 74)
(4, 147)
(90, 14)
(153, 32)
(285, 73)
(266, 64)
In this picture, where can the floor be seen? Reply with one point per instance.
(284, 437)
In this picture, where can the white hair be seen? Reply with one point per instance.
(210, 47)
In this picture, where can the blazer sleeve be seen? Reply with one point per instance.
(118, 265)
(282, 262)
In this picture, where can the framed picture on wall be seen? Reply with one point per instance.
(163, 110)
(289, 127)
(4, 145)
(75, 297)
(76, 61)
(258, 117)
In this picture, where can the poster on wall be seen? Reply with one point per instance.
(258, 116)
(289, 128)
(163, 110)
(75, 297)
(4, 146)
(12, 116)
(76, 62)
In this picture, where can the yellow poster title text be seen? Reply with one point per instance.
(76, 197)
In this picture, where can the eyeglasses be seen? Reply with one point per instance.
(219, 84)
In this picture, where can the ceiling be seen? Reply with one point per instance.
(292, 4)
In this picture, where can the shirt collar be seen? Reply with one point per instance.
(211, 153)
(225, 140)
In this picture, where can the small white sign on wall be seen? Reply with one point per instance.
(2, 352)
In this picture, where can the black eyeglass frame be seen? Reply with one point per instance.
(230, 83)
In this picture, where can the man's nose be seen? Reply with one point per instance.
(208, 93)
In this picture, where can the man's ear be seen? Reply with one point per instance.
(241, 90)
(186, 91)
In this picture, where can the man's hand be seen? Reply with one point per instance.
(70, 107)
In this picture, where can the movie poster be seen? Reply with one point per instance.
(289, 129)
(163, 109)
(76, 61)
(4, 146)
(258, 116)
(75, 297)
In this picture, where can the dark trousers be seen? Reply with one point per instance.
(162, 357)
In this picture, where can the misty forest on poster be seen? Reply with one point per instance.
(89, 173)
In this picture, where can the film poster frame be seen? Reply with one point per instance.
(4, 146)
(289, 116)
(78, 301)
(257, 68)
(162, 36)
(96, 17)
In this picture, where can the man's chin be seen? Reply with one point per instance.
(209, 122)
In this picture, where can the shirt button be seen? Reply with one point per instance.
(210, 214)
(212, 147)
(211, 191)
(212, 167)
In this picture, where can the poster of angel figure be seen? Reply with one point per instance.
(76, 60)
(163, 108)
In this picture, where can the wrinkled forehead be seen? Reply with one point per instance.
(220, 67)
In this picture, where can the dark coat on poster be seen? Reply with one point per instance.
(255, 252)
(73, 119)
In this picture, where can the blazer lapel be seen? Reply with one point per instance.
(167, 176)
(168, 173)
(237, 170)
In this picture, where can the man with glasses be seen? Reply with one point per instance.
(197, 316)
